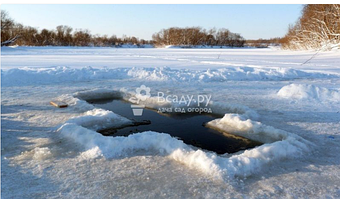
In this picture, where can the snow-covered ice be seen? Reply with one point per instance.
(262, 94)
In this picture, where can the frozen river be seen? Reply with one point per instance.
(267, 95)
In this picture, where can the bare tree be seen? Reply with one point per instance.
(317, 28)
(7, 25)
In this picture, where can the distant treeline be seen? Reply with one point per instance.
(264, 43)
(12, 32)
(62, 36)
(317, 28)
(194, 36)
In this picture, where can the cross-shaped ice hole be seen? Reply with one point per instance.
(190, 128)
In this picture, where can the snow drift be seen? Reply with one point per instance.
(308, 92)
(97, 119)
(24, 76)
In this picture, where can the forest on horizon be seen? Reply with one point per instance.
(317, 28)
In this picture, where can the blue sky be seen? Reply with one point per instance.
(251, 21)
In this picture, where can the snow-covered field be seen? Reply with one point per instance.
(262, 94)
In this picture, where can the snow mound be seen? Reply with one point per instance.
(75, 103)
(97, 119)
(38, 153)
(110, 147)
(240, 125)
(278, 145)
(42, 153)
(25, 76)
(308, 92)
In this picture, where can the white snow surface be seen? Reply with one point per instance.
(261, 94)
